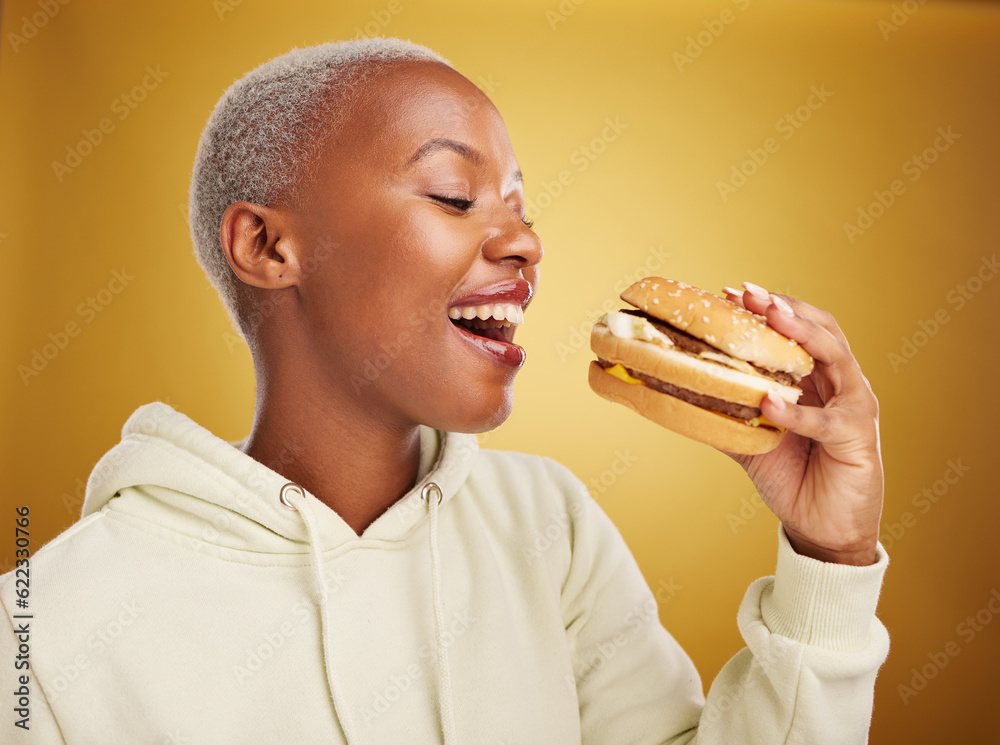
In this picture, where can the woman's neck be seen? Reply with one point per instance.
(351, 461)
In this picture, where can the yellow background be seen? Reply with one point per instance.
(557, 75)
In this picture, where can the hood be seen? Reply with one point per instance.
(162, 449)
(193, 480)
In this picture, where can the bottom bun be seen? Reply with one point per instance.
(718, 430)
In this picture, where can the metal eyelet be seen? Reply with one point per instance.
(290, 486)
(431, 488)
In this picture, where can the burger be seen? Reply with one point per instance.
(697, 364)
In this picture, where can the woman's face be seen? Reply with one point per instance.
(414, 216)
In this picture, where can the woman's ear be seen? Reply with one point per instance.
(256, 246)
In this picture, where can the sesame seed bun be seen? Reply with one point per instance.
(723, 324)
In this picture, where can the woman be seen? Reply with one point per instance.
(356, 570)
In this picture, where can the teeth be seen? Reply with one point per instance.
(508, 314)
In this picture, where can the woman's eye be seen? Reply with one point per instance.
(529, 223)
(462, 205)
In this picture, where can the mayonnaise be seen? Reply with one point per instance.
(627, 326)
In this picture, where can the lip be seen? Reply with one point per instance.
(506, 353)
(516, 291)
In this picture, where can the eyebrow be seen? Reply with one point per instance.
(443, 143)
(470, 154)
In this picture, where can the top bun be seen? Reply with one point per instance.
(722, 323)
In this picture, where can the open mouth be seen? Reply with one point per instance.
(497, 322)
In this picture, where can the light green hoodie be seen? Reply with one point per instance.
(191, 605)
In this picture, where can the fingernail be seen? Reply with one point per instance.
(775, 399)
(783, 307)
(731, 291)
(756, 290)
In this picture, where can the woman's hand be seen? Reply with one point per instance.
(824, 481)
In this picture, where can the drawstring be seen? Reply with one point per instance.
(431, 496)
(303, 508)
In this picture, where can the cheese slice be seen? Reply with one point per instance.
(622, 374)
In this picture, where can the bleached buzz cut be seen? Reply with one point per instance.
(261, 137)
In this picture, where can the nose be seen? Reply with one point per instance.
(513, 242)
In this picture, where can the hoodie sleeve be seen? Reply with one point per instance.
(39, 726)
(807, 674)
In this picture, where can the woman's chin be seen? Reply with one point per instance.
(477, 416)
